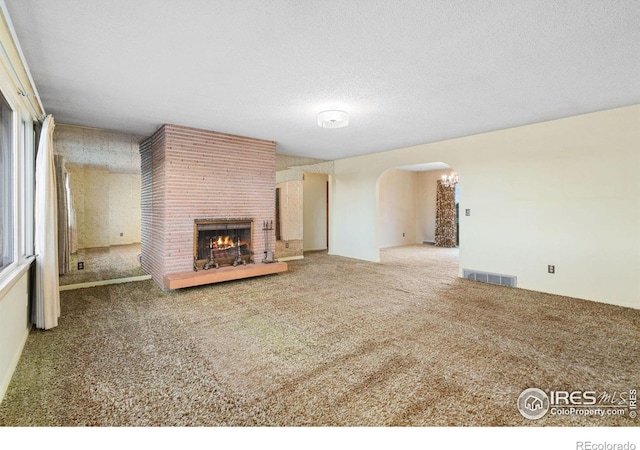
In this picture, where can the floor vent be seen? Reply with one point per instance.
(491, 278)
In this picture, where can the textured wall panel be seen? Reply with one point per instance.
(110, 150)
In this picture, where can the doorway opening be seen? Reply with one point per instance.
(407, 202)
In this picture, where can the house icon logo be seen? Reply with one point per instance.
(533, 403)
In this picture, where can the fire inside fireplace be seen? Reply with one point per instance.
(222, 242)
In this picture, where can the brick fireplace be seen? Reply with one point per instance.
(192, 176)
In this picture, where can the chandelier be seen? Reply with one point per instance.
(450, 180)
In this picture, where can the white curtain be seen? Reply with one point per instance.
(46, 310)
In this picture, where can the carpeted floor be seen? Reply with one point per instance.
(332, 342)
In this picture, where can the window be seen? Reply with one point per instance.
(28, 188)
(6, 185)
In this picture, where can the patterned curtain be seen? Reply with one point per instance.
(445, 216)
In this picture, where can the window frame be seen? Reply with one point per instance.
(28, 184)
(8, 191)
(23, 146)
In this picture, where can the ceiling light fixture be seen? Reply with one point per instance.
(333, 119)
(450, 180)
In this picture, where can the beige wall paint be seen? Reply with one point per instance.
(563, 192)
(397, 208)
(315, 211)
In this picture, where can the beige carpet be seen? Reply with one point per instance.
(332, 342)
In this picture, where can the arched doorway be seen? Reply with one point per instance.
(413, 204)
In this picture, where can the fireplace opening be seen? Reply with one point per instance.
(222, 242)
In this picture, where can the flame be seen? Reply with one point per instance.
(225, 242)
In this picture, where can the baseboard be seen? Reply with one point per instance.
(290, 258)
(89, 284)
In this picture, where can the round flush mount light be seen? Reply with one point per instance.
(333, 119)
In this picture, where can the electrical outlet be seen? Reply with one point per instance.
(551, 269)
(286, 245)
(467, 212)
(121, 234)
(80, 265)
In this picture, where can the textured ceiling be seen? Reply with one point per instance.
(408, 72)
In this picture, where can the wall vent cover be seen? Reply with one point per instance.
(491, 278)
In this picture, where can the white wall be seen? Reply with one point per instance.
(397, 208)
(315, 211)
(353, 230)
(563, 192)
(14, 329)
